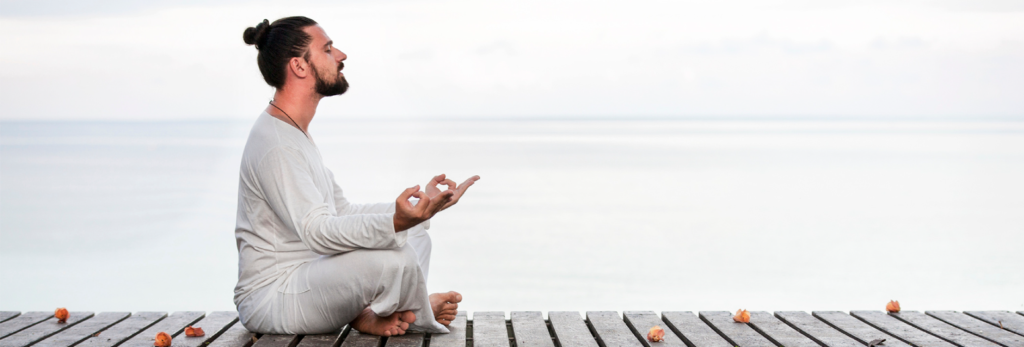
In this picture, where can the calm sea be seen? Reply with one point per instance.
(568, 215)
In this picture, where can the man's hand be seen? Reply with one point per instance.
(431, 202)
(407, 215)
(432, 189)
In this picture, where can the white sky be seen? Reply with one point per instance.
(526, 58)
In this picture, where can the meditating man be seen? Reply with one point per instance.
(309, 261)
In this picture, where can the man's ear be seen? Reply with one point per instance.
(299, 67)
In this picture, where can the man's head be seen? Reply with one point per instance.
(297, 53)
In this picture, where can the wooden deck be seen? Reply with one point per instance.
(530, 329)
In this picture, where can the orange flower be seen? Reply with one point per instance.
(61, 314)
(742, 316)
(194, 332)
(892, 306)
(656, 334)
(162, 340)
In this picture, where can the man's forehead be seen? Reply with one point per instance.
(318, 34)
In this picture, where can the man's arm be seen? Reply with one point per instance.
(288, 187)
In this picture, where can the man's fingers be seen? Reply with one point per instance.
(469, 182)
(408, 192)
(449, 183)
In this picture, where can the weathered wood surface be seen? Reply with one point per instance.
(941, 329)
(979, 328)
(83, 330)
(570, 329)
(777, 331)
(277, 341)
(412, 339)
(611, 330)
(323, 340)
(235, 336)
(489, 330)
(856, 328)
(693, 330)
(5, 315)
(213, 325)
(22, 321)
(172, 325)
(1008, 320)
(531, 330)
(358, 339)
(739, 334)
(43, 330)
(456, 336)
(899, 329)
(641, 322)
(817, 330)
(123, 330)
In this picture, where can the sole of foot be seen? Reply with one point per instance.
(445, 306)
(369, 322)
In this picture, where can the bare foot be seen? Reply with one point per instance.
(445, 306)
(370, 323)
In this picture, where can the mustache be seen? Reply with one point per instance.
(341, 65)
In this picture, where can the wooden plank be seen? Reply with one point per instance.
(234, 336)
(323, 340)
(611, 331)
(694, 331)
(942, 329)
(777, 331)
(5, 315)
(1009, 321)
(22, 321)
(901, 330)
(407, 340)
(816, 329)
(269, 340)
(641, 322)
(358, 339)
(172, 325)
(978, 327)
(43, 330)
(739, 334)
(530, 330)
(83, 330)
(456, 336)
(489, 329)
(856, 329)
(213, 325)
(124, 330)
(570, 330)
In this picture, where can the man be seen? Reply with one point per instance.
(308, 260)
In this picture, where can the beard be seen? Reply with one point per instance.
(325, 88)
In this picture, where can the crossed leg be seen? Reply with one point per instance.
(444, 305)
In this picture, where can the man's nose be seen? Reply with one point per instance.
(342, 55)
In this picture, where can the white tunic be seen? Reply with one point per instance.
(291, 213)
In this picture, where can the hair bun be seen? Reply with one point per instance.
(257, 35)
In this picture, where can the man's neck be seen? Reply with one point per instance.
(300, 107)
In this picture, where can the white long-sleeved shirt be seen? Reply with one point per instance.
(290, 210)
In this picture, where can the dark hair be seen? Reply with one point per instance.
(279, 42)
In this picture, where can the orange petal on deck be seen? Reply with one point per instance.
(194, 332)
(61, 314)
(892, 306)
(742, 316)
(656, 334)
(162, 340)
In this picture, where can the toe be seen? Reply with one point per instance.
(408, 317)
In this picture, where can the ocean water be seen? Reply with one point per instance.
(569, 215)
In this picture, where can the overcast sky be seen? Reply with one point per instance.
(159, 60)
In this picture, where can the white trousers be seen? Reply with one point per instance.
(323, 295)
